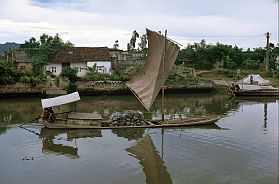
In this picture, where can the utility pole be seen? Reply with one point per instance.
(267, 52)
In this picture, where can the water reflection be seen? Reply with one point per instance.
(265, 115)
(3, 129)
(258, 100)
(130, 134)
(17, 111)
(54, 140)
(153, 166)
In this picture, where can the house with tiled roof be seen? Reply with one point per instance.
(21, 61)
(80, 58)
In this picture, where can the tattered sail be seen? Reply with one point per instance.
(147, 84)
(60, 100)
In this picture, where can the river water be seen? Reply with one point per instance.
(242, 147)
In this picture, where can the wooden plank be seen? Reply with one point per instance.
(83, 116)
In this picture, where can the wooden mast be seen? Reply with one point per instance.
(163, 89)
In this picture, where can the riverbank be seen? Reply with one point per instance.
(204, 82)
(88, 88)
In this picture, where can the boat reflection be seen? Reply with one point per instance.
(153, 165)
(130, 134)
(49, 138)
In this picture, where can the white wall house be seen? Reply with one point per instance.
(80, 58)
(81, 68)
(101, 66)
(54, 68)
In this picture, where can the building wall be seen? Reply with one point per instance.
(55, 68)
(102, 66)
(81, 67)
(24, 67)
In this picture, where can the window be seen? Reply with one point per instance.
(100, 69)
(22, 68)
(53, 69)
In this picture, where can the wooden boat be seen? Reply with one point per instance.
(253, 85)
(253, 90)
(78, 120)
(256, 93)
(145, 85)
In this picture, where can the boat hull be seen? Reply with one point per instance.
(256, 93)
(150, 124)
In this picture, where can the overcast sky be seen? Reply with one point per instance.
(100, 22)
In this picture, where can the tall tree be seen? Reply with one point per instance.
(42, 50)
(143, 45)
(133, 40)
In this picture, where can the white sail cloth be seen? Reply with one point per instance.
(147, 84)
(60, 100)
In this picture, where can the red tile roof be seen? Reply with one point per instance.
(81, 54)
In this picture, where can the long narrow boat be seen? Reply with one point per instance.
(254, 90)
(256, 93)
(145, 85)
(78, 120)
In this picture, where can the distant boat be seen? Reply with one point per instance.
(253, 85)
(145, 85)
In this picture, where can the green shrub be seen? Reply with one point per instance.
(230, 73)
(7, 74)
(251, 64)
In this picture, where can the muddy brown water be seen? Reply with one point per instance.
(242, 147)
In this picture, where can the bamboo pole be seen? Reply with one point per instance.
(163, 89)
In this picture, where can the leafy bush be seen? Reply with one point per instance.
(71, 74)
(251, 64)
(7, 73)
(230, 73)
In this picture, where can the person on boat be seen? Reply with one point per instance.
(48, 114)
(232, 86)
(251, 79)
(235, 87)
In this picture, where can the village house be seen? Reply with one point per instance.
(80, 58)
(21, 62)
(119, 55)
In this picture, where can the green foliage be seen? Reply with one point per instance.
(42, 50)
(270, 73)
(7, 73)
(230, 73)
(143, 46)
(71, 74)
(205, 56)
(132, 44)
(251, 64)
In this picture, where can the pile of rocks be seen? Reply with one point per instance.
(127, 118)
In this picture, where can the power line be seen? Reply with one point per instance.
(222, 36)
